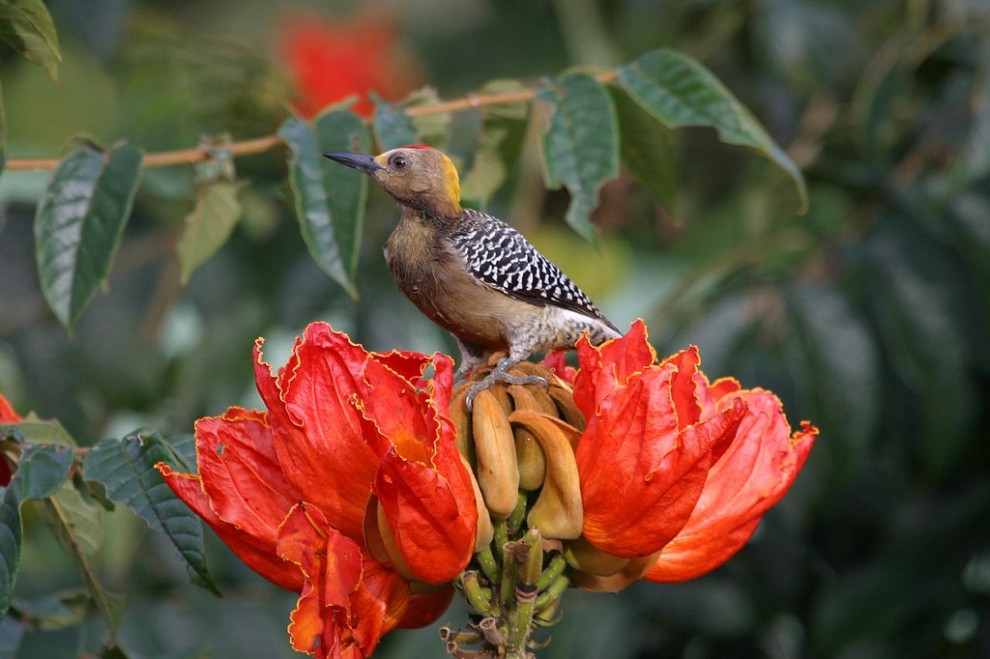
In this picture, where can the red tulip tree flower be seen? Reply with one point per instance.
(361, 485)
(348, 489)
(695, 464)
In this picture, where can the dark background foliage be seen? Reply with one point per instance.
(869, 315)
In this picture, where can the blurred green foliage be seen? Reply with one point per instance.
(869, 315)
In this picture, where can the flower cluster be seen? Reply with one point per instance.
(361, 486)
(348, 490)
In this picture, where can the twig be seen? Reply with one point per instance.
(268, 142)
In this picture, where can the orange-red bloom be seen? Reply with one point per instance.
(7, 413)
(330, 60)
(348, 490)
(672, 465)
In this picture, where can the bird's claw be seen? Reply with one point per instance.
(498, 375)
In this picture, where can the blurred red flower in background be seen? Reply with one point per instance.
(331, 59)
(348, 490)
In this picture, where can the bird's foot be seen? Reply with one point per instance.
(501, 374)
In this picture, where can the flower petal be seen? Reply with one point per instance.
(426, 607)
(610, 365)
(240, 472)
(317, 431)
(752, 475)
(7, 413)
(258, 554)
(331, 564)
(640, 476)
(556, 361)
(432, 517)
(687, 386)
(379, 604)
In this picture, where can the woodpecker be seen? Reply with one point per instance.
(473, 274)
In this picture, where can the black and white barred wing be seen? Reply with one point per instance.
(500, 257)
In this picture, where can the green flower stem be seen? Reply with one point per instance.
(554, 569)
(489, 565)
(553, 592)
(515, 520)
(529, 556)
(479, 596)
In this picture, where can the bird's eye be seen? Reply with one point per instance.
(398, 162)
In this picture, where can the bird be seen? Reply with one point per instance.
(473, 274)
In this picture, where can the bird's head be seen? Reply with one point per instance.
(416, 176)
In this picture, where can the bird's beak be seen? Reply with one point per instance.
(359, 161)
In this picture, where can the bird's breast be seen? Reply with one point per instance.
(435, 279)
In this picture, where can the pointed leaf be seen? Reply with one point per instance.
(10, 545)
(11, 635)
(126, 468)
(3, 132)
(42, 471)
(36, 430)
(78, 527)
(393, 127)
(307, 176)
(503, 133)
(430, 128)
(646, 149)
(209, 225)
(79, 224)
(679, 91)
(347, 189)
(27, 26)
(581, 144)
(184, 448)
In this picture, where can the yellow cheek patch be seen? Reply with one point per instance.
(452, 181)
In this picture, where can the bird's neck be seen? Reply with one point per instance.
(435, 207)
(429, 215)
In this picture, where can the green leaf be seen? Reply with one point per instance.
(503, 133)
(11, 635)
(307, 176)
(184, 447)
(79, 224)
(36, 430)
(10, 545)
(581, 144)
(347, 189)
(428, 128)
(843, 375)
(78, 527)
(679, 91)
(646, 149)
(126, 468)
(209, 225)
(3, 132)
(393, 127)
(27, 26)
(920, 316)
(42, 471)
